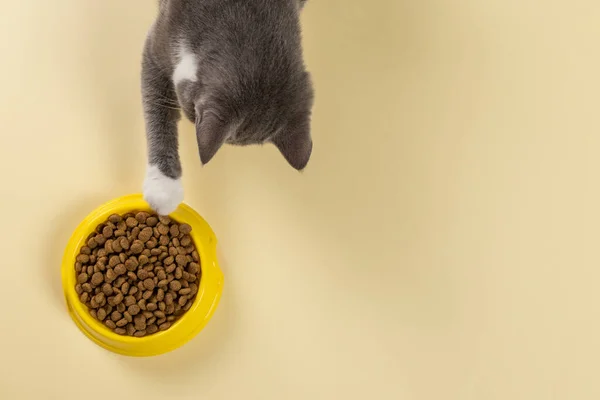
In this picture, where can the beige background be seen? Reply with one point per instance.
(442, 244)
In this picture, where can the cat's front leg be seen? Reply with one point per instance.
(162, 187)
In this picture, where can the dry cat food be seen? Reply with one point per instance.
(138, 273)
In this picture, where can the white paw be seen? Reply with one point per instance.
(161, 192)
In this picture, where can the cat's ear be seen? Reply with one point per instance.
(211, 133)
(295, 145)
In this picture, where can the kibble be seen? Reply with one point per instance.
(138, 273)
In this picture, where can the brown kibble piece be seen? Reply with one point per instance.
(149, 284)
(121, 331)
(110, 324)
(107, 289)
(124, 243)
(139, 333)
(175, 286)
(163, 229)
(178, 273)
(142, 217)
(120, 269)
(182, 300)
(185, 229)
(134, 309)
(163, 240)
(193, 268)
(115, 218)
(119, 233)
(163, 283)
(100, 299)
(129, 301)
(122, 323)
(143, 260)
(101, 314)
(137, 247)
(151, 329)
(142, 274)
(97, 278)
(131, 264)
(181, 260)
(139, 322)
(145, 234)
(186, 241)
(116, 245)
(92, 243)
(165, 219)
(151, 221)
(110, 275)
(82, 278)
(85, 251)
(165, 326)
(118, 299)
(115, 316)
(107, 232)
(171, 268)
(131, 222)
(169, 260)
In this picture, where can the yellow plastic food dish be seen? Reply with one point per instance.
(190, 324)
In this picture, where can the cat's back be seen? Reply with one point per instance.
(237, 23)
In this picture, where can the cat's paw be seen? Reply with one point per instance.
(163, 194)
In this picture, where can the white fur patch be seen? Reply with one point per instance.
(161, 192)
(187, 66)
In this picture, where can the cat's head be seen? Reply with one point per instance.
(252, 89)
(274, 110)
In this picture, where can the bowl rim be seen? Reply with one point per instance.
(182, 330)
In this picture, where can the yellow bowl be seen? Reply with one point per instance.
(190, 324)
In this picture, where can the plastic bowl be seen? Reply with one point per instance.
(184, 329)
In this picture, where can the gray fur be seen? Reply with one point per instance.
(252, 85)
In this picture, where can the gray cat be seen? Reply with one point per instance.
(235, 69)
